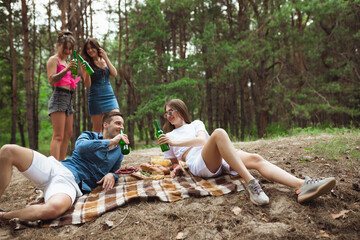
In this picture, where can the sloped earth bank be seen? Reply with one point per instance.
(213, 217)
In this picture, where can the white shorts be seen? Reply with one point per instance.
(197, 166)
(52, 177)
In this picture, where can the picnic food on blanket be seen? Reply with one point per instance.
(154, 169)
(140, 175)
(160, 160)
(157, 177)
(147, 176)
(126, 170)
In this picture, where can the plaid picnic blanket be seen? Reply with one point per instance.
(128, 188)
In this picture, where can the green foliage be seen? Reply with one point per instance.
(276, 130)
(300, 58)
(158, 94)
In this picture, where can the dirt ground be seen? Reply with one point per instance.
(213, 217)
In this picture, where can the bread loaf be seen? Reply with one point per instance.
(155, 169)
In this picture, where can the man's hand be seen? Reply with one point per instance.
(115, 140)
(107, 181)
(125, 138)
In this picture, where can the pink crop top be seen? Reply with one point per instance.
(67, 79)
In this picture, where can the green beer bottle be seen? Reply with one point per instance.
(124, 147)
(88, 69)
(164, 147)
(74, 71)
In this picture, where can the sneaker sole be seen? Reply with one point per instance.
(320, 191)
(258, 204)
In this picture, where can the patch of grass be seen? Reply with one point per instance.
(343, 145)
(318, 130)
(145, 146)
(276, 131)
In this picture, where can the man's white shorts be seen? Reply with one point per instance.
(52, 177)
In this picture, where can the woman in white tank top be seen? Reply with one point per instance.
(209, 156)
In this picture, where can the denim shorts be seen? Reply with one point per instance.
(61, 101)
(52, 177)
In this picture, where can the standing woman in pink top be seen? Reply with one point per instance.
(61, 102)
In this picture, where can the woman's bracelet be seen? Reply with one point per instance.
(175, 166)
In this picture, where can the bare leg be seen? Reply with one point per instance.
(13, 155)
(97, 119)
(53, 208)
(68, 131)
(21, 158)
(219, 146)
(58, 123)
(269, 170)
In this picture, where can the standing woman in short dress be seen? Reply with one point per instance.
(101, 96)
(61, 102)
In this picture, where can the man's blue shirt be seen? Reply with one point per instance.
(92, 160)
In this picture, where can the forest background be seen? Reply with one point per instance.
(251, 67)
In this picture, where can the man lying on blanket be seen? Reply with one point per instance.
(94, 161)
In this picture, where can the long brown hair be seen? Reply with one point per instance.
(65, 37)
(95, 44)
(180, 107)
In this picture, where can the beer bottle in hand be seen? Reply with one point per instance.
(164, 147)
(74, 71)
(124, 147)
(88, 69)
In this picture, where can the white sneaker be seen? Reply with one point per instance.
(313, 188)
(257, 195)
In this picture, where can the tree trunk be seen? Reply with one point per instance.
(128, 76)
(21, 129)
(29, 83)
(209, 97)
(35, 89)
(182, 47)
(173, 25)
(91, 19)
(63, 5)
(37, 95)
(118, 82)
(51, 43)
(14, 76)
(258, 93)
(74, 17)
(242, 84)
(234, 109)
